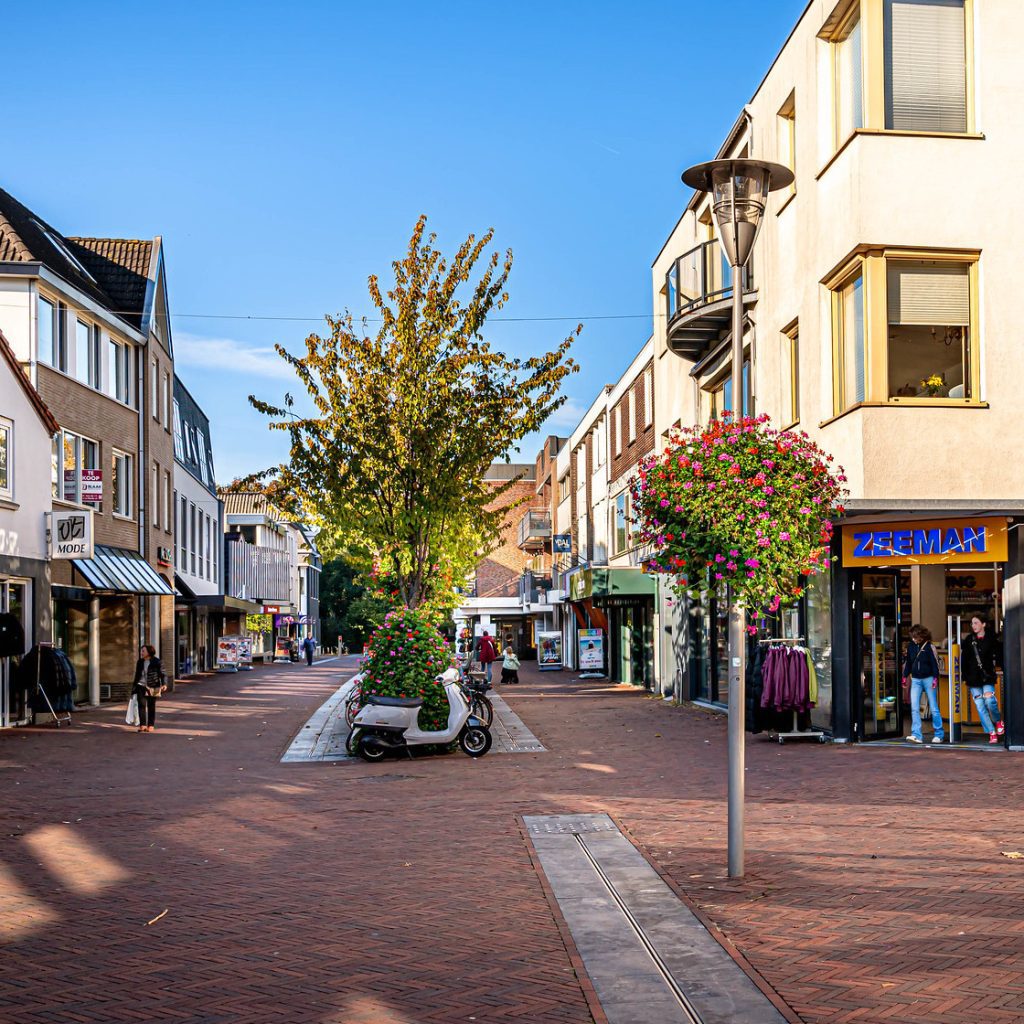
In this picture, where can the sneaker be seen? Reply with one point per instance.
(912, 739)
(937, 739)
(993, 737)
(1000, 728)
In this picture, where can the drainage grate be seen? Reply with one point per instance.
(568, 824)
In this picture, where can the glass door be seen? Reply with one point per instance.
(876, 630)
(14, 598)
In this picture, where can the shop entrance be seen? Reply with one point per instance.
(875, 628)
(14, 600)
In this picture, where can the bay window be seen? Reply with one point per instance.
(904, 329)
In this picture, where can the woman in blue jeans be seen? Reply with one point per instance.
(978, 665)
(922, 668)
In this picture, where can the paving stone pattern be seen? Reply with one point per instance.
(404, 892)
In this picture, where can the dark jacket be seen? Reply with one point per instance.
(978, 659)
(154, 676)
(921, 662)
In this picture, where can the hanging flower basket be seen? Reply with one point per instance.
(739, 504)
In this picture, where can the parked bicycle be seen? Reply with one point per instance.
(475, 691)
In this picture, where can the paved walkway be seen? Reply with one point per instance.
(406, 892)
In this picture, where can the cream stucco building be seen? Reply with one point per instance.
(880, 319)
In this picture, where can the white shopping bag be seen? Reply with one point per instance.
(132, 717)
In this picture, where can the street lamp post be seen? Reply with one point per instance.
(739, 189)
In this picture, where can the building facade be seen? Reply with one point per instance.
(883, 328)
(27, 430)
(85, 317)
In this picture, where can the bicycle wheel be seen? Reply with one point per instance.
(483, 709)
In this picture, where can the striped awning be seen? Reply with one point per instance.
(122, 571)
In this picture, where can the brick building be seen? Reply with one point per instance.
(86, 319)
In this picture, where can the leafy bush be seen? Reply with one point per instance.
(739, 504)
(405, 656)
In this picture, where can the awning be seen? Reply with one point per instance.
(185, 592)
(602, 581)
(121, 571)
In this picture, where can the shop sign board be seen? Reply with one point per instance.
(549, 651)
(71, 534)
(561, 544)
(581, 585)
(591, 644)
(926, 542)
(227, 652)
(245, 650)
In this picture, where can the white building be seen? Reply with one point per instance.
(27, 429)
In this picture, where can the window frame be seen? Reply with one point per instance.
(872, 262)
(7, 444)
(92, 375)
(154, 383)
(790, 337)
(873, 73)
(648, 397)
(620, 523)
(118, 384)
(785, 125)
(126, 510)
(57, 358)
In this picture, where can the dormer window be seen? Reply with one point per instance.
(62, 248)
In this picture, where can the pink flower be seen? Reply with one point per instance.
(784, 535)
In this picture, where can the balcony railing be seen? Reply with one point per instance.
(534, 530)
(700, 279)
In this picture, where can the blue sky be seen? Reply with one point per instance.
(284, 153)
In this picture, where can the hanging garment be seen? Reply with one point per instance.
(12, 636)
(49, 670)
(812, 680)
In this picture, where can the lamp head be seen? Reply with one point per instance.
(739, 190)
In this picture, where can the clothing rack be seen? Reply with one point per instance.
(60, 720)
(793, 733)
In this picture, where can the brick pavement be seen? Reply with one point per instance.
(404, 892)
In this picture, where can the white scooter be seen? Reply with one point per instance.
(390, 724)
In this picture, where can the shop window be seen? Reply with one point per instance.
(929, 329)
(121, 483)
(848, 341)
(6, 459)
(925, 65)
(819, 642)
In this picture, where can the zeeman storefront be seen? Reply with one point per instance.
(891, 573)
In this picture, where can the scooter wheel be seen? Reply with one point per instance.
(370, 752)
(352, 742)
(475, 741)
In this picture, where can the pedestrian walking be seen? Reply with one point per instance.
(487, 654)
(978, 664)
(148, 686)
(509, 665)
(309, 646)
(921, 669)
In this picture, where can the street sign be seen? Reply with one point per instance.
(71, 534)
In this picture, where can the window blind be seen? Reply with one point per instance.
(929, 296)
(925, 65)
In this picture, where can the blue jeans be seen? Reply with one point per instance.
(488, 669)
(916, 688)
(987, 705)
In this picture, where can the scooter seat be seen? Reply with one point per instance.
(395, 702)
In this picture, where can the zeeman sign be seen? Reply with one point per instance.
(926, 542)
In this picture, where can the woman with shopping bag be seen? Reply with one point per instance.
(147, 687)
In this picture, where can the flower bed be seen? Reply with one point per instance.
(739, 504)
